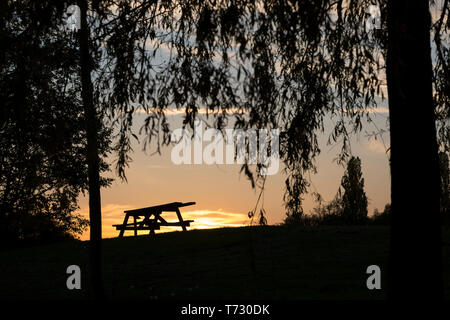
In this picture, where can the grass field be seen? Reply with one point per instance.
(272, 262)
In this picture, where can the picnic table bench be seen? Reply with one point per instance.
(150, 218)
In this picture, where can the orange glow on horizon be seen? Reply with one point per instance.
(203, 219)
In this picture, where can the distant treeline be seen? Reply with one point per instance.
(349, 207)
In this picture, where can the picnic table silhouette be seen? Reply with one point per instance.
(151, 218)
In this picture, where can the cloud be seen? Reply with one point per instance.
(377, 110)
(375, 146)
(174, 112)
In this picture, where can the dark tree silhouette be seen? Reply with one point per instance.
(354, 199)
(415, 244)
(42, 140)
(93, 152)
(445, 185)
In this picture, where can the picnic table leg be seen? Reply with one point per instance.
(125, 221)
(135, 226)
(181, 219)
(149, 223)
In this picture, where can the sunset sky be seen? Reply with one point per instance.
(223, 196)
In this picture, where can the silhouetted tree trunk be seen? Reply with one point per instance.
(415, 266)
(92, 157)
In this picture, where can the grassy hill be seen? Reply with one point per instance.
(271, 262)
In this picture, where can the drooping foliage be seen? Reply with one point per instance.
(269, 64)
(265, 64)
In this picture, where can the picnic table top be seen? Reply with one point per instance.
(172, 206)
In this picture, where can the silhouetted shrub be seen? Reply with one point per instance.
(293, 219)
(330, 213)
(381, 218)
(43, 220)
